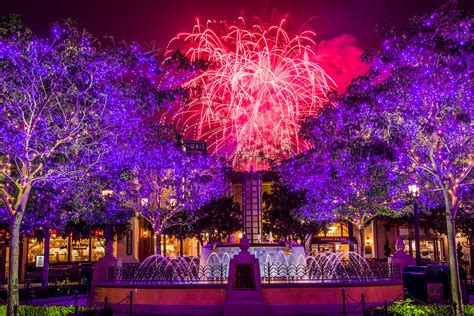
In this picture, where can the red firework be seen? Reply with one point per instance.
(261, 82)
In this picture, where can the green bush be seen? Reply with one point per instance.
(469, 309)
(408, 307)
(26, 310)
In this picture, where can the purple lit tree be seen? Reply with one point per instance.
(44, 211)
(64, 101)
(421, 84)
(416, 103)
(167, 181)
(351, 174)
(101, 201)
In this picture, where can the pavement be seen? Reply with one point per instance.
(61, 301)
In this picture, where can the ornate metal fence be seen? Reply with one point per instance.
(344, 271)
(189, 270)
(173, 272)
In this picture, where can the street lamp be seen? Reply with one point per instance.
(415, 192)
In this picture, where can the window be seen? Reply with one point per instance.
(67, 250)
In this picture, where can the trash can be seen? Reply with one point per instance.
(85, 273)
(414, 282)
(437, 283)
(431, 283)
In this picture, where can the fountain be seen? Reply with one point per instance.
(285, 279)
(276, 253)
(289, 282)
(277, 262)
(289, 261)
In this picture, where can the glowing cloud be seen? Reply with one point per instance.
(340, 58)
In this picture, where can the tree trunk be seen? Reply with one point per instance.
(350, 228)
(471, 251)
(453, 261)
(12, 298)
(362, 241)
(157, 243)
(109, 242)
(45, 275)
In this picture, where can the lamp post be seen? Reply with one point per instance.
(415, 191)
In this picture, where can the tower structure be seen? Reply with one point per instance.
(252, 205)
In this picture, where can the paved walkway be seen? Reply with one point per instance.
(61, 301)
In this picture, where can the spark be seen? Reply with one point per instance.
(260, 83)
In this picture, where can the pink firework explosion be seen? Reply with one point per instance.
(260, 83)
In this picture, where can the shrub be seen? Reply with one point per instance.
(26, 310)
(408, 307)
(469, 309)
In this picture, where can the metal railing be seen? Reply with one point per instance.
(193, 273)
(327, 273)
(272, 272)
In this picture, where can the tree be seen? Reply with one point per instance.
(419, 95)
(367, 196)
(218, 219)
(434, 221)
(283, 215)
(101, 201)
(45, 211)
(63, 100)
(214, 221)
(167, 181)
(352, 176)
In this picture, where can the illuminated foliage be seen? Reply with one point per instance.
(422, 81)
(409, 116)
(64, 101)
(167, 181)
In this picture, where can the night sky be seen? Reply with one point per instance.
(158, 20)
(344, 28)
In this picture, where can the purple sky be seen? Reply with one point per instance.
(158, 20)
(345, 28)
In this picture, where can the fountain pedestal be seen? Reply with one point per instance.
(400, 258)
(244, 289)
(104, 265)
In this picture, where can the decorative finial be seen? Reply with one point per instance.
(244, 244)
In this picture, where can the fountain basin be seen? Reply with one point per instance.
(279, 298)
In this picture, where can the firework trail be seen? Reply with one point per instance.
(260, 83)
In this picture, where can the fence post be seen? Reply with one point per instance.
(455, 312)
(106, 303)
(32, 296)
(344, 302)
(222, 272)
(362, 301)
(15, 310)
(76, 307)
(131, 302)
(385, 308)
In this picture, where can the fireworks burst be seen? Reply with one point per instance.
(260, 83)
